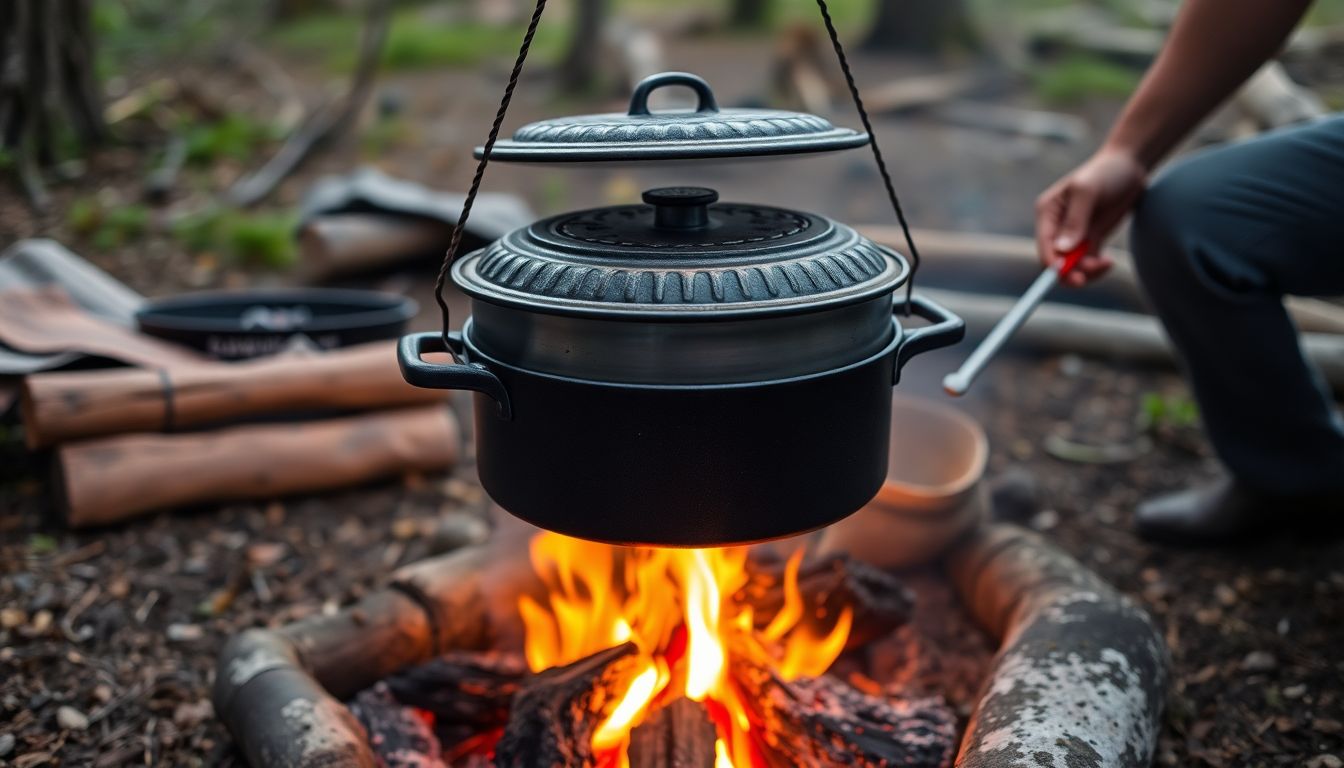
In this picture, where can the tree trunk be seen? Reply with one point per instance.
(923, 27)
(578, 71)
(47, 47)
(749, 14)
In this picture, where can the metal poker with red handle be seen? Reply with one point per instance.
(957, 382)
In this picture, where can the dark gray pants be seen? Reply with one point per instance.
(1219, 238)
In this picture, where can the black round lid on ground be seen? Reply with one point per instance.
(643, 134)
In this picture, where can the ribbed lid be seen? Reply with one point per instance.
(706, 132)
(680, 252)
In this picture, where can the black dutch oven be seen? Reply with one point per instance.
(684, 372)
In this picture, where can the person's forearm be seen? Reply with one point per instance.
(1213, 47)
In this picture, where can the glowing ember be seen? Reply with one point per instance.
(675, 604)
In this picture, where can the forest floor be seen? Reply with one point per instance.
(108, 637)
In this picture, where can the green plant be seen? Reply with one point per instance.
(253, 239)
(233, 136)
(107, 226)
(1158, 413)
(1079, 76)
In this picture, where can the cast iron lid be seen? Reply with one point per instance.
(641, 134)
(681, 255)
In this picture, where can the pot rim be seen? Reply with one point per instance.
(679, 312)
(475, 355)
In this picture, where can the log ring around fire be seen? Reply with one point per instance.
(1079, 678)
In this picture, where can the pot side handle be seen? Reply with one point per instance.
(946, 329)
(469, 376)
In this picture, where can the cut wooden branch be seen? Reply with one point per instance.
(1273, 100)
(556, 712)
(1012, 257)
(823, 721)
(912, 93)
(1035, 123)
(327, 122)
(678, 735)
(58, 407)
(828, 585)
(1072, 647)
(110, 479)
(1105, 333)
(339, 244)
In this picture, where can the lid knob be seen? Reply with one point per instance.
(680, 207)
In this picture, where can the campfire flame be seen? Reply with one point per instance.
(676, 606)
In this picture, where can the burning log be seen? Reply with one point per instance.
(879, 601)
(679, 735)
(467, 693)
(399, 737)
(823, 721)
(555, 713)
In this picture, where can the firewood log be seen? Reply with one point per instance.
(65, 406)
(823, 721)
(828, 585)
(554, 715)
(110, 479)
(397, 736)
(678, 735)
(341, 244)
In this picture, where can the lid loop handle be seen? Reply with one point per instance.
(639, 100)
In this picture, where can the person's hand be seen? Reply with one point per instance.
(1085, 206)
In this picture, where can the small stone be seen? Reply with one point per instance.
(1071, 366)
(13, 617)
(71, 719)
(405, 528)
(1284, 627)
(454, 531)
(185, 633)
(1326, 725)
(1294, 691)
(1225, 595)
(1259, 661)
(1208, 616)
(1045, 520)
(102, 693)
(1325, 761)
(6, 744)
(41, 622)
(188, 714)
(265, 554)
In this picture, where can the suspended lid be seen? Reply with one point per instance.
(642, 134)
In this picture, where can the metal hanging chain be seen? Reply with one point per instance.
(877, 151)
(456, 242)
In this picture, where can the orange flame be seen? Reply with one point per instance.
(676, 606)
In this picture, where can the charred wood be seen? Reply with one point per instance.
(398, 736)
(879, 601)
(555, 713)
(467, 693)
(823, 721)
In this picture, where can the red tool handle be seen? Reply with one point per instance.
(1072, 258)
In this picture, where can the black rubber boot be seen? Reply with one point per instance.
(1227, 512)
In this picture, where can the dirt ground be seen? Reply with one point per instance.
(108, 637)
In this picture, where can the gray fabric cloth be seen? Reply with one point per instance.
(40, 262)
(1218, 239)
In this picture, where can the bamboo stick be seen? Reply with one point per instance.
(58, 407)
(107, 480)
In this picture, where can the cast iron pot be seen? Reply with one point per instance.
(681, 373)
